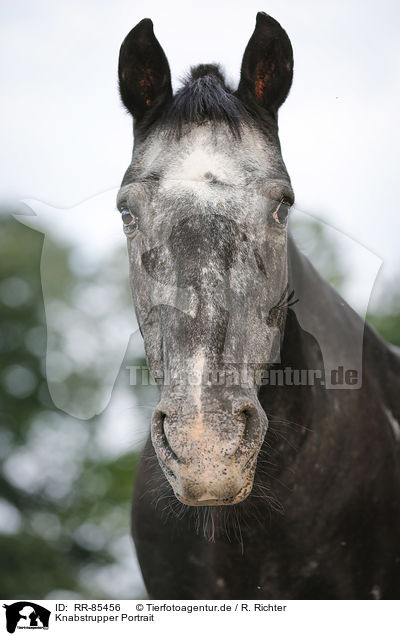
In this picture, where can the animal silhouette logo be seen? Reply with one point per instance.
(26, 615)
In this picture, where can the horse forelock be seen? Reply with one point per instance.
(205, 97)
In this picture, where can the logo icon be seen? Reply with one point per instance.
(26, 615)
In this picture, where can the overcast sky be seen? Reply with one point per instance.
(66, 138)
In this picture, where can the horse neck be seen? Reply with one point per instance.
(320, 330)
(314, 428)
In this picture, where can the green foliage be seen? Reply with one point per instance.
(64, 501)
(312, 238)
(387, 323)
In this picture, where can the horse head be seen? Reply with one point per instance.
(204, 204)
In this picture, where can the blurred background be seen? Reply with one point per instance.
(71, 424)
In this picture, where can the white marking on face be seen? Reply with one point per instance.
(201, 161)
(197, 371)
(393, 423)
(187, 165)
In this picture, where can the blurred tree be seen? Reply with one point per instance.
(313, 239)
(64, 500)
(387, 320)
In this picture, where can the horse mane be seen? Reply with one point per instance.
(205, 97)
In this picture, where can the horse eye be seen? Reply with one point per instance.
(126, 217)
(129, 220)
(281, 213)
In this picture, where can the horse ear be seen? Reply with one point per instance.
(143, 72)
(267, 66)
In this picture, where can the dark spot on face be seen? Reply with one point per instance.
(211, 178)
(149, 260)
(203, 241)
(156, 262)
(260, 263)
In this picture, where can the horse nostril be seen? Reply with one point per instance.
(159, 434)
(163, 417)
(246, 411)
(248, 415)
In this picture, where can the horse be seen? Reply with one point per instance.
(269, 472)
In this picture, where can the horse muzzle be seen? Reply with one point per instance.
(209, 456)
